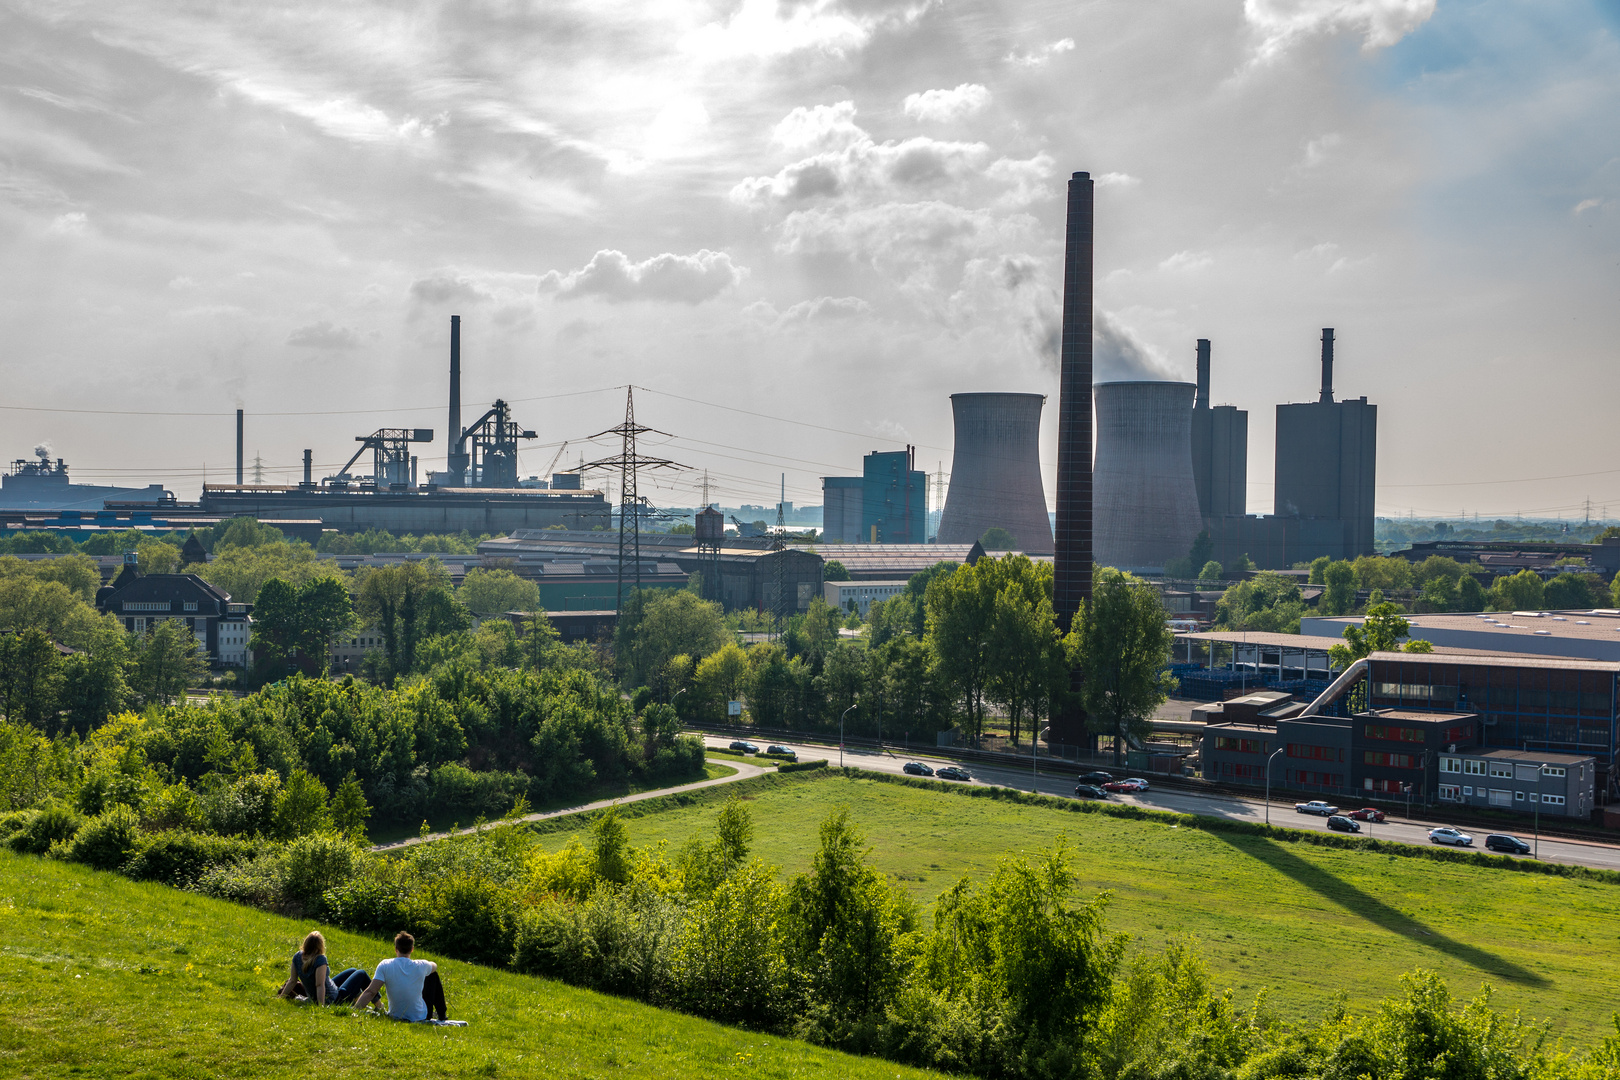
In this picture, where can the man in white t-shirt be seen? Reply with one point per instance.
(403, 978)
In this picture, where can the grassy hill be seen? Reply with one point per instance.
(1304, 920)
(100, 976)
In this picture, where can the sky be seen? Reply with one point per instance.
(798, 226)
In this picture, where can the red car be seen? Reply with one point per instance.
(1123, 786)
(1367, 813)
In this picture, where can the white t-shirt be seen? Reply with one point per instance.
(404, 976)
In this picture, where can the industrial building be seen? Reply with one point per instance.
(43, 485)
(886, 504)
(996, 471)
(892, 562)
(157, 519)
(1326, 470)
(1576, 635)
(1220, 449)
(1558, 785)
(862, 594)
(141, 601)
(1146, 508)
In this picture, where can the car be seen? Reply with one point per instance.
(1447, 834)
(1368, 813)
(1089, 791)
(1340, 823)
(951, 772)
(741, 747)
(1141, 784)
(1510, 845)
(1316, 806)
(1124, 787)
(916, 768)
(1098, 777)
(782, 752)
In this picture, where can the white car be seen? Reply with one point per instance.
(1316, 806)
(1446, 834)
(1137, 780)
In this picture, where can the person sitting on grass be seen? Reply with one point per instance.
(310, 974)
(413, 985)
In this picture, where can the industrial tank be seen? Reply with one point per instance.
(996, 472)
(1146, 506)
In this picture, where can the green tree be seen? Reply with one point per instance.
(492, 592)
(94, 682)
(1437, 566)
(300, 807)
(296, 625)
(1471, 594)
(721, 676)
(996, 538)
(611, 843)
(1319, 567)
(156, 557)
(1378, 572)
(245, 532)
(1569, 592)
(1267, 602)
(833, 570)
(1383, 630)
(1438, 594)
(31, 680)
(818, 631)
(408, 604)
(77, 571)
(167, 659)
(1122, 646)
(1516, 592)
(1026, 649)
(1340, 595)
(349, 810)
(658, 624)
(1211, 571)
(961, 619)
(28, 603)
(241, 570)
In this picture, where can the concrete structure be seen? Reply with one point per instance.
(1220, 450)
(1511, 557)
(840, 594)
(1583, 635)
(1326, 470)
(1396, 752)
(996, 472)
(41, 485)
(427, 509)
(142, 601)
(1558, 785)
(159, 519)
(1145, 503)
(841, 509)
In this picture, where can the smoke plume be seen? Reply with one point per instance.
(1118, 354)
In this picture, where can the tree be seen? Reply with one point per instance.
(1202, 551)
(817, 631)
(94, 682)
(26, 602)
(961, 619)
(1122, 647)
(1267, 602)
(349, 810)
(1340, 595)
(1211, 571)
(658, 624)
(1437, 566)
(1517, 592)
(1025, 644)
(491, 592)
(245, 532)
(1570, 591)
(1378, 572)
(1439, 594)
(300, 807)
(1383, 630)
(167, 659)
(721, 675)
(996, 538)
(833, 570)
(241, 570)
(1470, 594)
(1319, 567)
(156, 557)
(409, 603)
(30, 678)
(77, 571)
(295, 625)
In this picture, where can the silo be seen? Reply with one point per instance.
(996, 472)
(1146, 506)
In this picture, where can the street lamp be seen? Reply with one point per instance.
(1541, 770)
(1269, 760)
(841, 716)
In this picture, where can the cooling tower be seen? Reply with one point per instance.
(996, 472)
(1145, 504)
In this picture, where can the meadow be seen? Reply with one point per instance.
(1301, 921)
(101, 976)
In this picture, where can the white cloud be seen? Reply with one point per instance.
(1187, 262)
(1381, 23)
(689, 279)
(1317, 150)
(826, 307)
(182, 283)
(761, 28)
(341, 117)
(1116, 179)
(945, 106)
(1037, 57)
(74, 223)
(1587, 204)
(819, 127)
(323, 335)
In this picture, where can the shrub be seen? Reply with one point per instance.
(246, 807)
(105, 842)
(684, 758)
(179, 858)
(458, 793)
(374, 899)
(41, 828)
(464, 915)
(257, 881)
(801, 766)
(315, 863)
(174, 807)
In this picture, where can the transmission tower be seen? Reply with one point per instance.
(628, 461)
(258, 468)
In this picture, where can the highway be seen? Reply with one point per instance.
(1416, 831)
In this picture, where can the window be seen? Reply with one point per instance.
(1518, 796)
(189, 605)
(1474, 768)
(1459, 733)
(1394, 734)
(1391, 761)
(1315, 753)
(1553, 800)
(1450, 793)
(1468, 791)
(146, 605)
(1502, 768)
(1392, 787)
(1500, 797)
(1241, 746)
(1553, 770)
(1451, 764)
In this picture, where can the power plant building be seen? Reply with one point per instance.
(1326, 470)
(996, 472)
(886, 504)
(1220, 450)
(1146, 510)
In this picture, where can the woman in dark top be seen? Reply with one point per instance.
(310, 973)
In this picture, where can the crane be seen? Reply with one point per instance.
(555, 459)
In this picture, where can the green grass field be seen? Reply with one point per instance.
(1302, 920)
(100, 976)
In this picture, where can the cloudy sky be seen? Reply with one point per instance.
(802, 225)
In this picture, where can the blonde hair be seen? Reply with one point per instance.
(314, 944)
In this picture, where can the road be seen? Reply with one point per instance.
(1235, 808)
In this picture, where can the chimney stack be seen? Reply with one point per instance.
(238, 447)
(456, 461)
(1326, 397)
(1072, 547)
(309, 467)
(1202, 400)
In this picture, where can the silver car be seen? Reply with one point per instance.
(1447, 834)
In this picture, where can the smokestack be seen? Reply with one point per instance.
(1072, 547)
(456, 460)
(309, 466)
(1202, 400)
(239, 447)
(1327, 366)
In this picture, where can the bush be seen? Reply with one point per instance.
(315, 863)
(39, 829)
(465, 915)
(458, 793)
(105, 842)
(257, 881)
(685, 758)
(801, 766)
(179, 858)
(373, 900)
